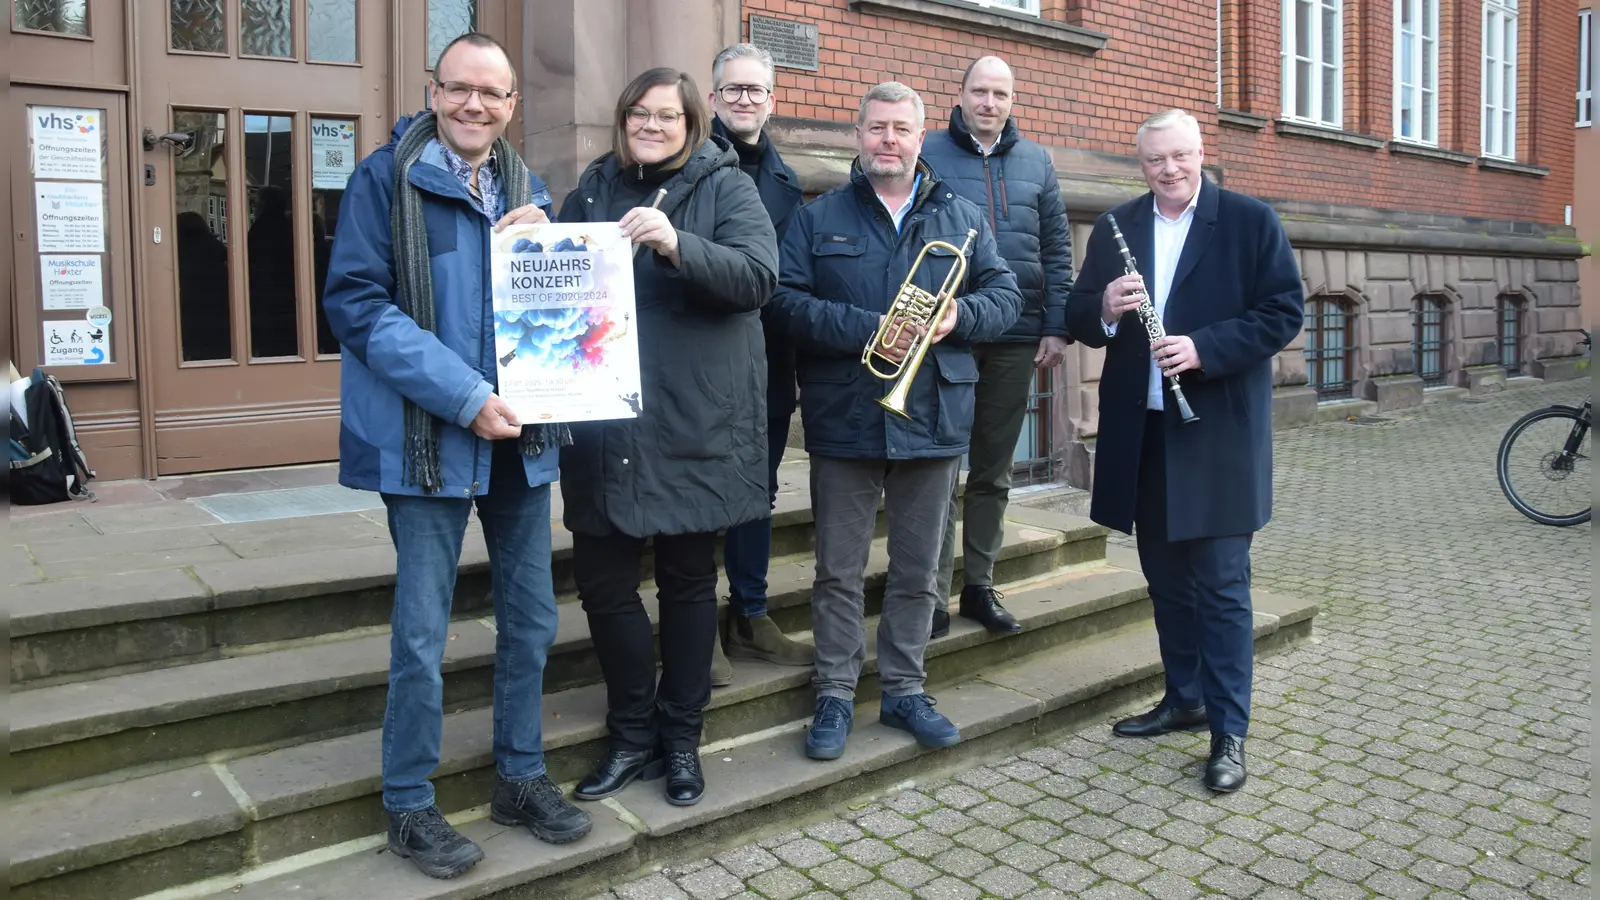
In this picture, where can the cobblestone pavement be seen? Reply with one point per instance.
(1432, 742)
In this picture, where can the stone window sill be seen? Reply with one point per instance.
(997, 22)
(1297, 129)
(1239, 119)
(1506, 165)
(1435, 153)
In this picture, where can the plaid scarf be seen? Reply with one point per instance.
(414, 295)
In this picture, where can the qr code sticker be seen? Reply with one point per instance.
(333, 159)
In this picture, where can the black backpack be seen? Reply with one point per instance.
(47, 465)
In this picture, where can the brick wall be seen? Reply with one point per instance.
(1163, 53)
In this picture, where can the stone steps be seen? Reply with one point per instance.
(759, 785)
(166, 597)
(126, 838)
(169, 716)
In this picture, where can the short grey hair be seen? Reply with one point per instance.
(1171, 118)
(743, 51)
(891, 92)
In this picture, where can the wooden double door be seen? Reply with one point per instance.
(255, 114)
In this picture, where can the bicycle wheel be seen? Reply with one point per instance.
(1540, 478)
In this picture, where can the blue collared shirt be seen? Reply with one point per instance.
(899, 215)
(487, 198)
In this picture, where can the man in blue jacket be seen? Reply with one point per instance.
(986, 159)
(408, 297)
(742, 78)
(841, 263)
(1221, 277)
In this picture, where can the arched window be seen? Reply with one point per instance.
(1330, 347)
(1510, 334)
(1429, 337)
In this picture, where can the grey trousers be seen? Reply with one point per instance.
(1005, 375)
(844, 501)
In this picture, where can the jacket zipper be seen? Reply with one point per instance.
(1005, 202)
(476, 459)
(988, 187)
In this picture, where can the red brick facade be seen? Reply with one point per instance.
(1163, 54)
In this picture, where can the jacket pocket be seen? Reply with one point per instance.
(832, 399)
(694, 410)
(957, 382)
(441, 222)
(836, 261)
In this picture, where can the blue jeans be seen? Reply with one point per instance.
(747, 548)
(427, 534)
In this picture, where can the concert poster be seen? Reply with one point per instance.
(565, 327)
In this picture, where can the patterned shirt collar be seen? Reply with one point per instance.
(488, 198)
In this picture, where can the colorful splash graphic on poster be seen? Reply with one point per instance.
(565, 328)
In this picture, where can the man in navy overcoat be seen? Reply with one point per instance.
(1224, 283)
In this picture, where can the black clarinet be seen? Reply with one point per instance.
(1152, 322)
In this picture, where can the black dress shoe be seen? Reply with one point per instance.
(539, 806)
(617, 770)
(941, 624)
(1161, 720)
(981, 603)
(686, 784)
(1225, 768)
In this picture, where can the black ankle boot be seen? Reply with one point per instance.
(617, 770)
(981, 603)
(538, 804)
(686, 784)
(425, 838)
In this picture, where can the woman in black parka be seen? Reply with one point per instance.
(694, 461)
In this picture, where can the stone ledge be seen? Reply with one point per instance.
(997, 22)
(1297, 129)
(1561, 369)
(1434, 153)
(1240, 119)
(1351, 236)
(1393, 392)
(1482, 380)
(1516, 168)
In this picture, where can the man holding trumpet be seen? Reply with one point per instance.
(845, 258)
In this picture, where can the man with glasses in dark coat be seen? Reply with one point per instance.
(742, 98)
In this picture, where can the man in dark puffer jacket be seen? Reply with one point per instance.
(986, 159)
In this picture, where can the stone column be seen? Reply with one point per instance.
(578, 55)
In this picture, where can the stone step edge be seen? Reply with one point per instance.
(228, 795)
(68, 605)
(762, 786)
(45, 716)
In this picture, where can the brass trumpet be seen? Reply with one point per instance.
(914, 307)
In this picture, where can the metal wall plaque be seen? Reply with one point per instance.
(792, 44)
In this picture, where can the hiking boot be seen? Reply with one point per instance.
(721, 669)
(758, 637)
(915, 713)
(425, 838)
(829, 727)
(538, 804)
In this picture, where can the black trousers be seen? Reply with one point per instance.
(1200, 591)
(640, 714)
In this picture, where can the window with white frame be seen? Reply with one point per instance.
(1500, 78)
(1313, 55)
(1585, 67)
(1031, 7)
(1416, 71)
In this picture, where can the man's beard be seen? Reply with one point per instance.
(886, 170)
(749, 137)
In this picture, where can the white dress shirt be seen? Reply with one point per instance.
(898, 216)
(1169, 235)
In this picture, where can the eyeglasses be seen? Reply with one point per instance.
(731, 93)
(460, 91)
(667, 117)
